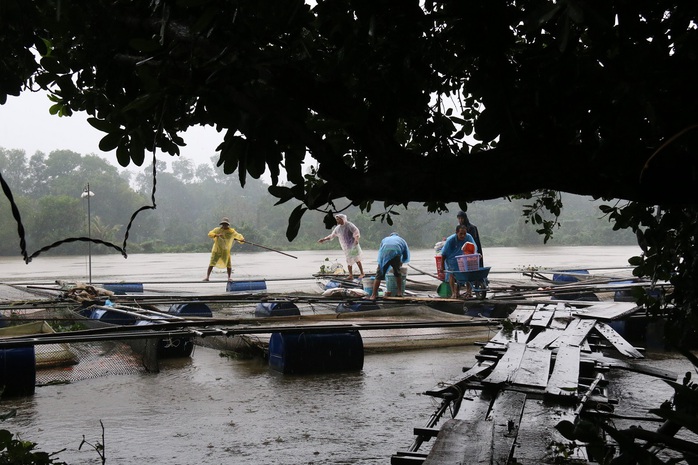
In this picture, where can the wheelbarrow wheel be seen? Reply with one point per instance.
(479, 289)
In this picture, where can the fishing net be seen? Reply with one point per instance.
(89, 360)
(76, 360)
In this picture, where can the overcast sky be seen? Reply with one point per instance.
(25, 123)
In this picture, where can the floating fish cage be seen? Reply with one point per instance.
(167, 347)
(316, 352)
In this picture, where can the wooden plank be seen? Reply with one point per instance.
(426, 432)
(564, 379)
(608, 310)
(562, 317)
(634, 367)
(521, 316)
(507, 365)
(576, 332)
(475, 407)
(544, 338)
(537, 432)
(443, 388)
(542, 316)
(506, 416)
(502, 339)
(454, 436)
(462, 441)
(407, 458)
(534, 368)
(618, 341)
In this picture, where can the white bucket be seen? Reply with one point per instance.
(367, 284)
(391, 282)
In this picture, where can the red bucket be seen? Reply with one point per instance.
(439, 266)
(468, 248)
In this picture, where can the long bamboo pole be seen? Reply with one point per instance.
(267, 248)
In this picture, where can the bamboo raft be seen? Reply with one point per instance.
(535, 384)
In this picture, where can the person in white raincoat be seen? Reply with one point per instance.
(348, 235)
(223, 237)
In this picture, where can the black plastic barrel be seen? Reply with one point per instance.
(190, 309)
(18, 371)
(316, 352)
(267, 309)
(172, 347)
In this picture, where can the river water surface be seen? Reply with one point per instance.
(211, 409)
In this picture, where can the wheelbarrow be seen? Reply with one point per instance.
(476, 278)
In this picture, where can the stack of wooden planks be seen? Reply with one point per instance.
(542, 369)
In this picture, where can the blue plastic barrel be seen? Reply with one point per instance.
(623, 295)
(240, 286)
(18, 371)
(629, 295)
(267, 309)
(123, 287)
(345, 307)
(191, 309)
(316, 352)
(568, 278)
(108, 316)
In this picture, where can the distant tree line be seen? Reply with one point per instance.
(191, 199)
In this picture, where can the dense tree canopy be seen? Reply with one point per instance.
(395, 101)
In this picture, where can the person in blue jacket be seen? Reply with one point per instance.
(393, 252)
(451, 249)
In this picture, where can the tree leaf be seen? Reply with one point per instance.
(110, 142)
(294, 222)
(102, 125)
(284, 194)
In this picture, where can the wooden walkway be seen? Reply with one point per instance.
(542, 370)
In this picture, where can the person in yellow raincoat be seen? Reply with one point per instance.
(223, 237)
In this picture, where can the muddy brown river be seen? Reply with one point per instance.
(212, 409)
